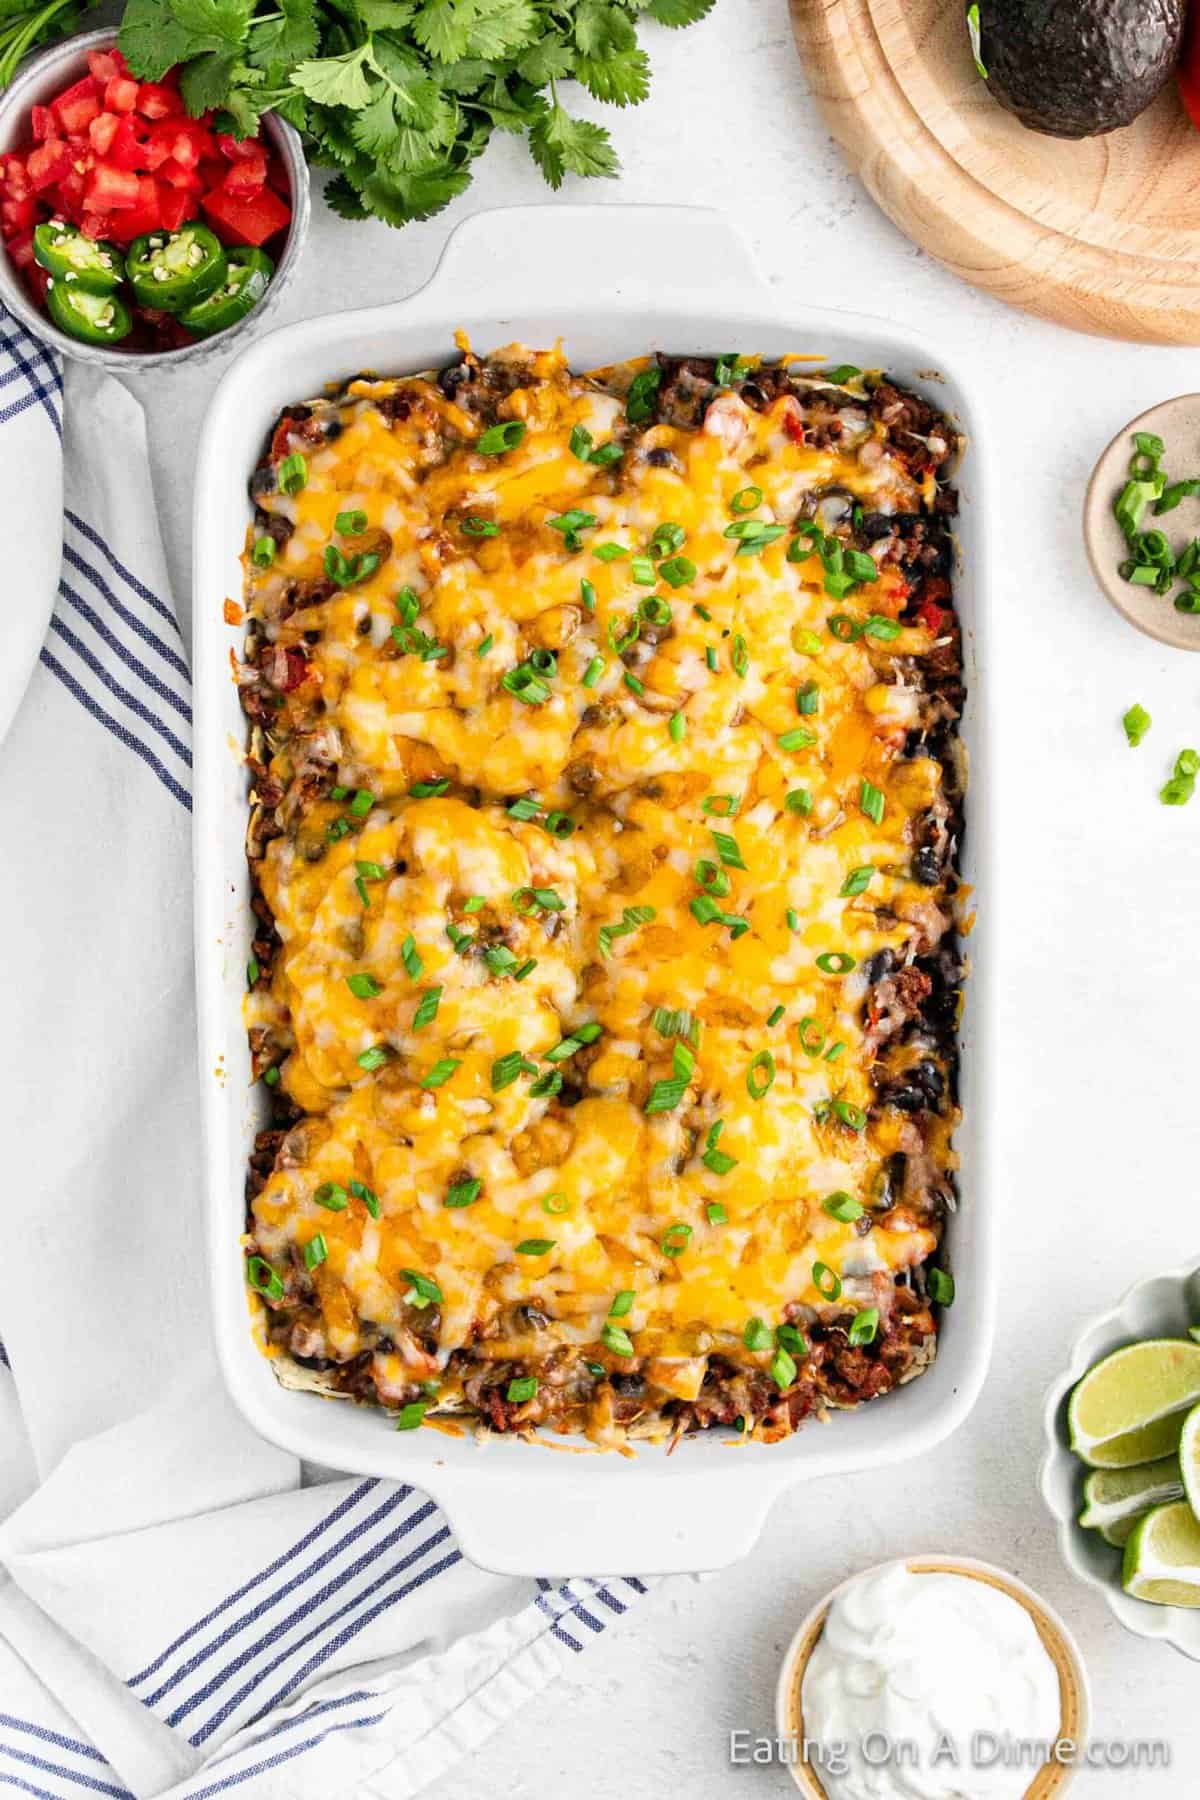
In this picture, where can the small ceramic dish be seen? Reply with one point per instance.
(1049, 1781)
(1160, 1306)
(47, 74)
(1177, 423)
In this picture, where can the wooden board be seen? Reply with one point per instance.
(1101, 234)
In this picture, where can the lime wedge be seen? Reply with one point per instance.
(1117, 1498)
(1162, 1558)
(1189, 1459)
(1131, 1406)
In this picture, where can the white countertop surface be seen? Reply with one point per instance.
(1099, 1134)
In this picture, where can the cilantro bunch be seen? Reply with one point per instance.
(401, 96)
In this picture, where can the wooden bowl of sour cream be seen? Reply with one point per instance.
(1042, 1783)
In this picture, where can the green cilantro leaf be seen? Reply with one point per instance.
(561, 145)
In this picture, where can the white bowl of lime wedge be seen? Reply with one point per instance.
(1113, 1475)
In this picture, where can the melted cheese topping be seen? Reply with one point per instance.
(735, 696)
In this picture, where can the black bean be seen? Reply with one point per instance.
(926, 866)
(879, 965)
(628, 1384)
(262, 482)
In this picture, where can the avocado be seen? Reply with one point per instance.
(1076, 68)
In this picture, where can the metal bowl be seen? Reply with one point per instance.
(47, 74)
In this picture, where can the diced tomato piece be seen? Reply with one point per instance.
(17, 215)
(107, 65)
(187, 181)
(145, 216)
(237, 149)
(110, 190)
(185, 141)
(77, 106)
(121, 94)
(157, 101)
(246, 221)
(47, 163)
(127, 150)
(246, 176)
(42, 121)
(277, 175)
(20, 249)
(102, 131)
(16, 177)
(97, 225)
(68, 196)
(38, 280)
(175, 206)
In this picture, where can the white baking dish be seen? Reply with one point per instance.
(613, 282)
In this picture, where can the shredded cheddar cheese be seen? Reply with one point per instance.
(589, 784)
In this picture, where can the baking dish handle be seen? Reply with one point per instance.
(665, 1526)
(645, 253)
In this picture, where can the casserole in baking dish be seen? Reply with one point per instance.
(702, 1505)
(605, 812)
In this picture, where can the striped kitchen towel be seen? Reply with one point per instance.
(181, 1612)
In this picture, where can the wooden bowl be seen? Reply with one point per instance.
(1048, 1782)
(1177, 423)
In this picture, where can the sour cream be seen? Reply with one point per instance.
(927, 1660)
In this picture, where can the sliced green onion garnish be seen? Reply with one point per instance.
(675, 1240)
(293, 474)
(410, 956)
(842, 1206)
(614, 1338)
(441, 1072)
(799, 738)
(1137, 723)
(940, 1286)
(760, 1075)
(866, 1324)
(808, 697)
(757, 1336)
(411, 1415)
(825, 1281)
(363, 987)
(715, 1213)
(263, 553)
(622, 1303)
(463, 1193)
(535, 1246)
(498, 438)
(857, 881)
(835, 962)
(263, 1279)
(315, 1251)
(374, 1058)
(677, 728)
(783, 1369)
(368, 1196)
(746, 499)
(521, 1388)
(332, 1196)
(799, 800)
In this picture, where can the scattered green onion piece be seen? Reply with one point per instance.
(871, 802)
(263, 553)
(410, 956)
(799, 738)
(835, 962)
(799, 800)
(293, 474)
(441, 1072)
(351, 524)
(368, 1196)
(857, 881)
(363, 987)
(374, 1058)
(463, 1193)
(940, 1285)
(675, 1240)
(622, 1303)
(332, 1196)
(411, 1414)
(427, 1011)
(677, 728)
(499, 438)
(865, 1326)
(757, 1085)
(827, 1284)
(715, 1213)
(263, 1278)
(746, 500)
(783, 1369)
(315, 1251)
(757, 1336)
(842, 1206)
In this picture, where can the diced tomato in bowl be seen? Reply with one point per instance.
(115, 158)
